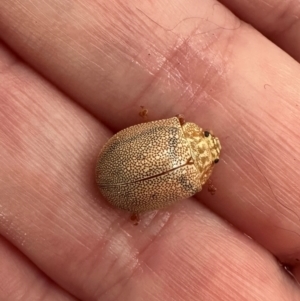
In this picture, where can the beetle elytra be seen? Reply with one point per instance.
(152, 165)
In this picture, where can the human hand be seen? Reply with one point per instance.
(87, 69)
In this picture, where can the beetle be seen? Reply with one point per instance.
(154, 164)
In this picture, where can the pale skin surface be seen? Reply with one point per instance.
(82, 71)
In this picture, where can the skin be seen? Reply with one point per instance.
(73, 73)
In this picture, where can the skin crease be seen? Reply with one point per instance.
(15, 286)
(72, 74)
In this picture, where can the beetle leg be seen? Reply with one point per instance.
(181, 119)
(135, 218)
(211, 188)
(143, 112)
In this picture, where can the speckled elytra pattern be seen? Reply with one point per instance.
(152, 165)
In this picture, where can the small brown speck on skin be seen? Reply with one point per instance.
(143, 112)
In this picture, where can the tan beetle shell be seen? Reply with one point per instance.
(152, 165)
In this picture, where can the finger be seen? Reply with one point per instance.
(278, 20)
(57, 140)
(167, 66)
(228, 85)
(21, 280)
(52, 212)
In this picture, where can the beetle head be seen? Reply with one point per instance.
(205, 149)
